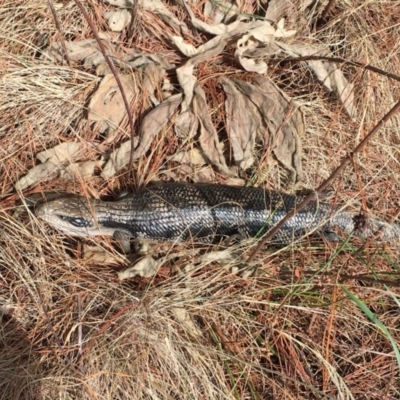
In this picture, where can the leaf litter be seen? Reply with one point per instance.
(267, 114)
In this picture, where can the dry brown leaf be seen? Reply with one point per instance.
(52, 160)
(38, 173)
(258, 42)
(343, 89)
(154, 121)
(242, 127)
(153, 76)
(94, 255)
(107, 105)
(185, 73)
(208, 139)
(327, 73)
(76, 51)
(158, 7)
(60, 153)
(118, 20)
(118, 159)
(214, 29)
(193, 156)
(186, 124)
(282, 121)
(146, 268)
(278, 8)
(184, 319)
(82, 170)
(223, 11)
(152, 124)
(139, 58)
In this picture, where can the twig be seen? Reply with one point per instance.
(58, 26)
(313, 195)
(339, 60)
(116, 76)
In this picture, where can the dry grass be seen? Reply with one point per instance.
(287, 330)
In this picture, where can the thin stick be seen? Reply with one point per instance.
(327, 182)
(116, 76)
(60, 31)
(339, 60)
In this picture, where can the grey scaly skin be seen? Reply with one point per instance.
(177, 212)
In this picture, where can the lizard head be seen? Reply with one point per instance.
(74, 215)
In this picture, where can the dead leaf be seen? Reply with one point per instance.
(52, 161)
(327, 73)
(94, 255)
(146, 268)
(107, 105)
(282, 122)
(82, 170)
(221, 11)
(118, 159)
(139, 58)
(38, 173)
(183, 318)
(186, 124)
(208, 139)
(76, 51)
(158, 7)
(214, 29)
(193, 156)
(185, 73)
(118, 20)
(60, 153)
(241, 127)
(152, 124)
(260, 35)
(343, 89)
(277, 9)
(154, 121)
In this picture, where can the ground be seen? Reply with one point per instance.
(313, 320)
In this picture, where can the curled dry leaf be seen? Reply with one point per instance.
(214, 29)
(76, 51)
(184, 319)
(282, 122)
(107, 105)
(208, 139)
(82, 170)
(158, 7)
(185, 73)
(60, 153)
(118, 20)
(186, 125)
(223, 11)
(278, 9)
(258, 43)
(241, 126)
(193, 156)
(95, 255)
(139, 58)
(327, 73)
(152, 124)
(52, 161)
(146, 268)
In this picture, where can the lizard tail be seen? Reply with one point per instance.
(351, 223)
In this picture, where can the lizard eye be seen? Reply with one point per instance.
(75, 221)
